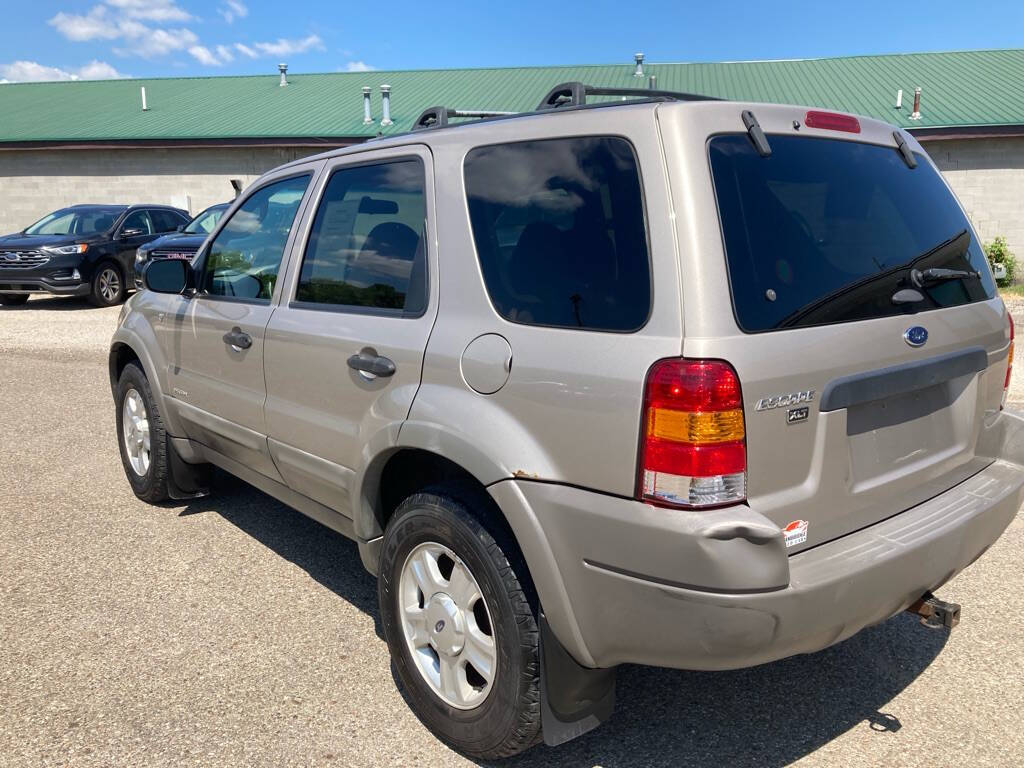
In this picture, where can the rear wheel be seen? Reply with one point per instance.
(141, 436)
(13, 299)
(107, 285)
(461, 631)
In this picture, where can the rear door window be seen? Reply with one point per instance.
(826, 231)
(560, 233)
(366, 247)
(166, 221)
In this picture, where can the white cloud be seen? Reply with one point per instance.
(203, 55)
(93, 26)
(358, 66)
(100, 23)
(32, 71)
(151, 10)
(224, 53)
(98, 70)
(245, 50)
(233, 9)
(157, 42)
(282, 47)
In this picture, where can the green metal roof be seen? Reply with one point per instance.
(968, 88)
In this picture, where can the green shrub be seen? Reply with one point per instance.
(998, 252)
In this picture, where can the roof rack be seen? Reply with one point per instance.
(438, 117)
(575, 94)
(572, 94)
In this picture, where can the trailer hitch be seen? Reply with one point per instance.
(935, 613)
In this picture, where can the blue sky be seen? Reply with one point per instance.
(146, 38)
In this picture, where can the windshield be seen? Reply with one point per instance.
(825, 231)
(204, 223)
(76, 222)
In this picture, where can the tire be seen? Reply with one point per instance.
(504, 718)
(148, 478)
(108, 286)
(13, 299)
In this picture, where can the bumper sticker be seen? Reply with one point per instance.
(795, 533)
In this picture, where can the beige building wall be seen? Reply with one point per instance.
(988, 177)
(35, 182)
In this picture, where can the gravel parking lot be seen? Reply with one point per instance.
(234, 631)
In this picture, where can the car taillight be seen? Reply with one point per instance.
(1009, 365)
(693, 450)
(832, 121)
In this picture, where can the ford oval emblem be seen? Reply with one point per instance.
(916, 336)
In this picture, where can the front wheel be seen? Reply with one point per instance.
(462, 634)
(108, 286)
(141, 436)
(13, 299)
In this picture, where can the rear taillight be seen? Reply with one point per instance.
(1009, 364)
(832, 121)
(693, 451)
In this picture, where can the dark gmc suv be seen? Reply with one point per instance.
(83, 250)
(180, 244)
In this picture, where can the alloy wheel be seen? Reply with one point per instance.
(447, 626)
(135, 432)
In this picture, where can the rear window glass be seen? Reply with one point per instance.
(559, 231)
(826, 231)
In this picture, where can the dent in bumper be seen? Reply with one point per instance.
(710, 591)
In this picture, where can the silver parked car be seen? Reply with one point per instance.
(664, 380)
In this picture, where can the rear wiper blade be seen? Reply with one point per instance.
(939, 275)
(957, 244)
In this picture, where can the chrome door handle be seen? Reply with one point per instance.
(375, 365)
(238, 339)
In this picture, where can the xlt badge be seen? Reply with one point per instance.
(782, 401)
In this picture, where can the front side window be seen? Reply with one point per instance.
(137, 223)
(245, 258)
(828, 231)
(560, 233)
(366, 247)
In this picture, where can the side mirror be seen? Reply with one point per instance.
(131, 232)
(167, 275)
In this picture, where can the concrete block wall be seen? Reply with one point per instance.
(988, 177)
(35, 182)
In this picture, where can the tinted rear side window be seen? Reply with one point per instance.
(166, 221)
(559, 231)
(825, 231)
(366, 247)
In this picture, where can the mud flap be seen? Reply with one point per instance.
(573, 699)
(184, 480)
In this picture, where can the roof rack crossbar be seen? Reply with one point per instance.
(575, 94)
(438, 117)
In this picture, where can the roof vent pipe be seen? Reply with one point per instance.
(283, 69)
(652, 82)
(899, 99)
(639, 59)
(916, 114)
(145, 108)
(385, 107)
(367, 116)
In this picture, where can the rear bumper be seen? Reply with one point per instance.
(625, 582)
